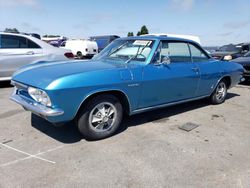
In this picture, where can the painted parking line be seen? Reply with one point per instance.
(29, 155)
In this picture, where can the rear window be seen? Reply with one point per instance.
(11, 41)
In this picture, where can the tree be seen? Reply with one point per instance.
(144, 30)
(11, 30)
(130, 34)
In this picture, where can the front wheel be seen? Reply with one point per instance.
(101, 117)
(220, 93)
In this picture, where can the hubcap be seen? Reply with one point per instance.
(102, 117)
(221, 91)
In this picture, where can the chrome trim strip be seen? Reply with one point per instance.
(18, 85)
(5, 78)
(34, 107)
(242, 79)
(166, 105)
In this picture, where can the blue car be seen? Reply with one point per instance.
(130, 76)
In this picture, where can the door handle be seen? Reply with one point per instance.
(30, 53)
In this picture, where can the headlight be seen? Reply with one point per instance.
(228, 58)
(39, 96)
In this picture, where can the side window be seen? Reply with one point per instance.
(63, 44)
(197, 54)
(176, 51)
(22, 42)
(9, 41)
(245, 48)
(31, 44)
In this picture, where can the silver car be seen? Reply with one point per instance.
(17, 50)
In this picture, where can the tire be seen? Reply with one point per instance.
(220, 93)
(100, 118)
(79, 55)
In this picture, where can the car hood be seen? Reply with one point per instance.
(242, 60)
(223, 53)
(43, 73)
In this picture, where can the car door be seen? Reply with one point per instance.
(16, 51)
(209, 70)
(169, 82)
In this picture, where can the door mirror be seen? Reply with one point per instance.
(165, 60)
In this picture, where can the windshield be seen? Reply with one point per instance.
(229, 48)
(127, 50)
(247, 54)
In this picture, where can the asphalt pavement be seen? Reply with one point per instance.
(150, 150)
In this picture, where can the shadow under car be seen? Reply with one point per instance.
(70, 134)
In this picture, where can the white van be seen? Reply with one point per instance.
(81, 48)
(189, 37)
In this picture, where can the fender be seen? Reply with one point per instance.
(101, 91)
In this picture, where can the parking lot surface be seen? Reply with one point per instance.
(149, 151)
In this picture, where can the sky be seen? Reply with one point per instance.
(216, 22)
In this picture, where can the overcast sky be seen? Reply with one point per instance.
(216, 22)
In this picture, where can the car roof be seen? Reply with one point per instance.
(162, 37)
(16, 34)
(34, 39)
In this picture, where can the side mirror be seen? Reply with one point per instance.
(165, 60)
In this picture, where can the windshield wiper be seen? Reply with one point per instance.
(137, 53)
(117, 49)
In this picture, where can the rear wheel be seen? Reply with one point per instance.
(79, 55)
(220, 93)
(101, 117)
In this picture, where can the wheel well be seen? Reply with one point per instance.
(120, 95)
(227, 80)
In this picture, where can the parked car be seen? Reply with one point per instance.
(81, 48)
(210, 49)
(17, 50)
(131, 75)
(35, 35)
(103, 41)
(31, 34)
(231, 51)
(55, 41)
(245, 62)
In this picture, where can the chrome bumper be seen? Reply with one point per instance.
(242, 79)
(35, 107)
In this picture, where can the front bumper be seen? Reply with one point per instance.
(35, 107)
(246, 74)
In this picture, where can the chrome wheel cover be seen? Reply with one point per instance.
(102, 117)
(221, 91)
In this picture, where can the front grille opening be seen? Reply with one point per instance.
(247, 68)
